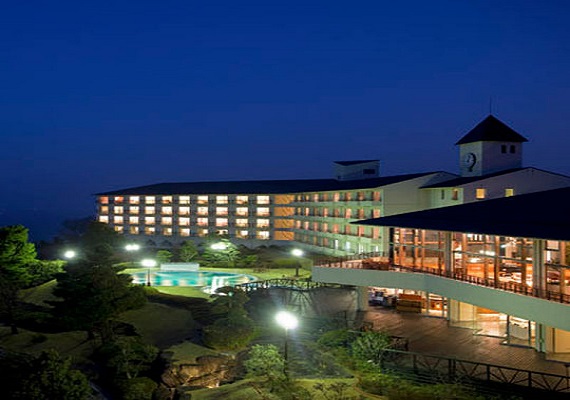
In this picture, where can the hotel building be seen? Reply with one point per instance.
(479, 248)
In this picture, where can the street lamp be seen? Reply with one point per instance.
(148, 263)
(297, 253)
(219, 246)
(287, 321)
(131, 248)
(69, 254)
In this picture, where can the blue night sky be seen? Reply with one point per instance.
(97, 96)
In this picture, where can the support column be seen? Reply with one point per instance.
(362, 298)
(447, 253)
(538, 267)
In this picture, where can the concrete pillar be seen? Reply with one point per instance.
(538, 267)
(447, 252)
(362, 298)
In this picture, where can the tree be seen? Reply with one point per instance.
(163, 256)
(16, 257)
(188, 251)
(93, 294)
(221, 251)
(52, 377)
(127, 356)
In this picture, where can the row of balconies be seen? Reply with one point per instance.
(185, 203)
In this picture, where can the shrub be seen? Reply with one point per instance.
(137, 388)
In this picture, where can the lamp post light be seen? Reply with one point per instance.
(148, 263)
(131, 248)
(297, 253)
(287, 321)
(219, 246)
(70, 254)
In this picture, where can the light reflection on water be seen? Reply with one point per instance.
(211, 280)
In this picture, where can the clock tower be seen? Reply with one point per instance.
(490, 147)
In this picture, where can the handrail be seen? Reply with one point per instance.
(453, 369)
(348, 262)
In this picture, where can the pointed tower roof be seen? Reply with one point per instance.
(491, 130)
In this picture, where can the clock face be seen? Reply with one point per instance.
(469, 160)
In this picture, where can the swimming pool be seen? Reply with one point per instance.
(206, 279)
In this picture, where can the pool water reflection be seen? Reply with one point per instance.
(206, 279)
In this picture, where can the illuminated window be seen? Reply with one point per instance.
(149, 210)
(167, 231)
(119, 229)
(202, 210)
(166, 210)
(149, 200)
(166, 199)
(104, 219)
(298, 224)
(325, 227)
(262, 199)
(166, 220)
(242, 234)
(335, 228)
(336, 196)
(263, 211)
(376, 196)
(134, 230)
(306, 225)
(104, 210)
(307, 211)
(360, 214)
(134, 200)
(184, 199)
(134, 210)
(149, 230)
(241, 222)
(263, 235)
(202, 200)
(241, 211)
(119, 199)
(184, 232)
(202, 221)
(118, 209)
(315, 226)
(133, 220)
(203, 232)
(375, 213)
(221, 211)
(242, 199)
(221, 222)
(316, 197)
(221, 199)
(509, 192)
(348, 213)
(118, 219)
(347, 196)
(149, 220)
(262, 223)
(454, 194)
(375, 233)
(104, 200)
(184, 222)
(184, 211)
(325, 212)
(480, 193)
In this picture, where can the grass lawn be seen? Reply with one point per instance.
(188, 352)
(159, 324)
(40, 294)
(251, 389)
(74, 344)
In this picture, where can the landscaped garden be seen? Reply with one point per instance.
(72, 329)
